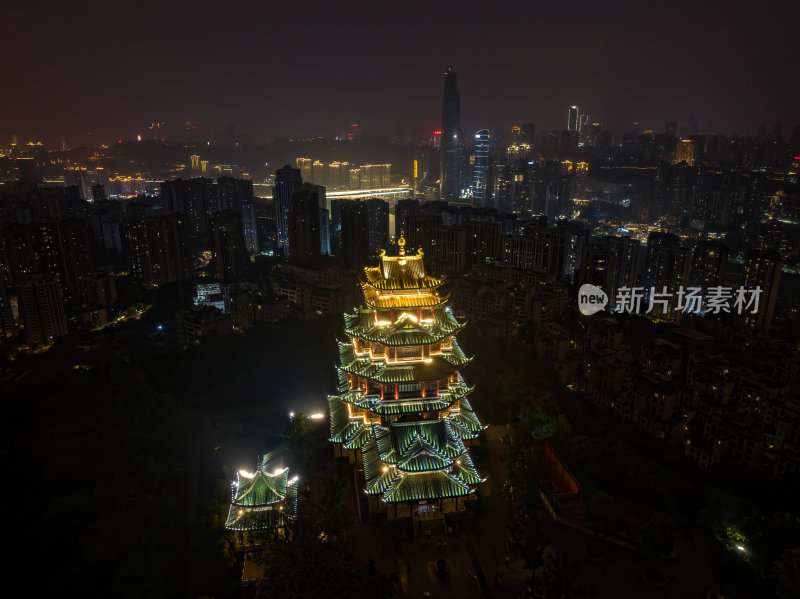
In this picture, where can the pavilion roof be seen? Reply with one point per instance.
(404, 331)
(436, 368)
(404, 271)
(262, 499)
(378, 299)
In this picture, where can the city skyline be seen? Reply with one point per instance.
(619, 64)
(402, 300)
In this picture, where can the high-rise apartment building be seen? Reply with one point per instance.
(709, 264)
(287, 182)
(76, 260)
(625, 253)
(17, 251)
(157, 249)
(237, 195)
(354, 233)
(229, 245)
(596, 267)
(6, 314)
(193, 199)
(667, 268)
(304, 226)
(304, 166)
(41, 309)
(762, 271)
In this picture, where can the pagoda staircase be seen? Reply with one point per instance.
(430, 525)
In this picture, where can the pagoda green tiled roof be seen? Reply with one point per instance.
(262, 500)
(419, 469)
(377, 475)
(438, 367)
(257, 518)
(437, 436)
(343, 383)
(405, 331)
(425, 486)
(422, 457)
(464, 470)
(262, 489)
(352, 433)
(464, 421)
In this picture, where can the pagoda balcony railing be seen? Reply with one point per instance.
(417, 394)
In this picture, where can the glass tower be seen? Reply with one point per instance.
(451, 124)
(480, 167)
(574, 118)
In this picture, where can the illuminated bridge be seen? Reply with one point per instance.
(264, 190)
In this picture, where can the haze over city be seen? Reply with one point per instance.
(368, 300)
(310, 69)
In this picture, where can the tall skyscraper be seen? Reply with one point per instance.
(287, 182)
(450, 187)
(41, 309)
(480, 167)
(573, 120)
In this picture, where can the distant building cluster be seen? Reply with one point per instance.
(712, 397)
(343, 175)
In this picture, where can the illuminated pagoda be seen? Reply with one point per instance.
(402, 409)
(261, 502)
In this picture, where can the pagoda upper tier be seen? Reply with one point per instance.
(401, 282)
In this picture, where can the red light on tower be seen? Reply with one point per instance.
(354, 125)
(437, 132)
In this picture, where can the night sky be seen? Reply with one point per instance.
(310, 68)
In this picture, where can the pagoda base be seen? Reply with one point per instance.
(418, 509)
